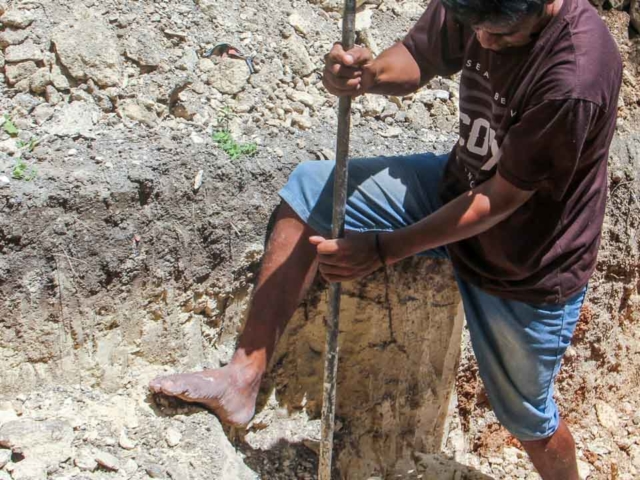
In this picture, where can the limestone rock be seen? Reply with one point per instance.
(137, 111)
(125, 442)
(296, 56)
(52, 95)
(9, 146)
(304, 98)
(76, 118)
(607, 416)
(12, 37)
(303, 122)
(42, 113)
(7, 413)
(364, 20)
(373, 105)
(85, 461)
(3, 6)
(172, 437)
(144, 48)
(48, 442)
(40, 80)
(106, 460)
(634, 12)
(88, 48)
(229, 76)
(23, 53)
(17, 19)
(60, 82)
(299, 23)
(5, 457)
(418, 115)
(19, 72)
(30, 469)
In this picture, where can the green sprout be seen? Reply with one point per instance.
(232, 148)
(22, 171)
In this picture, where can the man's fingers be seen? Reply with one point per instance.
(342, 85)
(342, 71)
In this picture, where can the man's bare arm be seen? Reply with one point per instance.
(468, 215)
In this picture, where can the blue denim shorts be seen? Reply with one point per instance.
(518, 346)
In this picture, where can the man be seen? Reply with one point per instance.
(519, 204)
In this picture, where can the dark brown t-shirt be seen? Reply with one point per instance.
(542, 115)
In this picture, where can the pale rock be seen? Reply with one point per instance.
(60, 82)
(42, 113)
(103, 101)
(2, 62)
(206, 65)
(418, 115)
(196, 139)
(304, 98)
(4, 182)
(607, 416)
(299, 23)
(47, 441)
(144, 47)
(130, 467)
(76, 118)
(40, 80)
(303, 122)
(172, 437)
(229, 76)
(189, 60)
(25, 52)
(584, 470)
(155, 471)
(17, 18)
(364, 20)
(23, 85)
(5, 475)
(21, 71)
(52, 95)
(373, 105)
(125, 442)
(3, 6)
(84, 460)
(77, 94)
(30, 469)
(634, 12)
(5, 454)
(139, 112)
(106, 460)
(634, 453)
(12, 37)
(7, 412)
(9, 146)
(296, 56)
(88, 48)
(391, 132)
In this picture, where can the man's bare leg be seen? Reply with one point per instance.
(554, 457)
(288, 269)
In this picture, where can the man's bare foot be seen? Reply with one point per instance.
(230, 392)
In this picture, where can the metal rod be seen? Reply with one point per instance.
(337, 231)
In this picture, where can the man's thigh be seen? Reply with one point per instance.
(383, 193)
(519, 348)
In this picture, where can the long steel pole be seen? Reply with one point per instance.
(339, 205)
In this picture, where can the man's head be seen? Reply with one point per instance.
(501, 24)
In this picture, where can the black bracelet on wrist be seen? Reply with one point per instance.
(379, 250)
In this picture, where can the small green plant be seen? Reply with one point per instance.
(232, 148)
(9, 127)
(30, 145)
(22, 171)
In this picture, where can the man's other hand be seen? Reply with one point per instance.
(348, 74)
(349, 258)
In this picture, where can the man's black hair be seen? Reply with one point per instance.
(478, 12)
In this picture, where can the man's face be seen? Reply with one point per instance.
(499, 37)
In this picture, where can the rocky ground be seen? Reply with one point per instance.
(137, 178)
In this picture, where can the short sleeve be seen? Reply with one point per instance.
(542, 151)
(437, 42)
